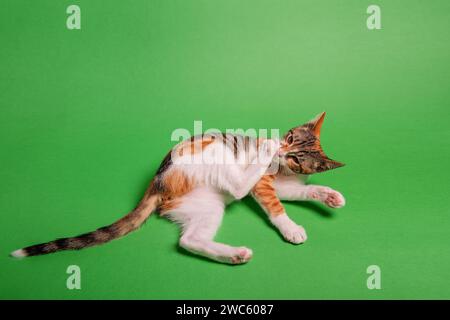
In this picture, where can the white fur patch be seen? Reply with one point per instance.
(289, 229)
(18, 254)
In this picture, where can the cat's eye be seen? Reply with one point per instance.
(290, 139)
(295, 159)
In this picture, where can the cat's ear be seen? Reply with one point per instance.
(318, 163)
(316, 124)
(331, 164)
(334, 164)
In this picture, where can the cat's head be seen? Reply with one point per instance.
(301, 151)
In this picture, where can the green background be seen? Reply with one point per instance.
(87, 115)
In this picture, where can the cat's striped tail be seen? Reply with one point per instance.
(127, 224)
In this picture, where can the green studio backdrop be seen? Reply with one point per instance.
(87, 115)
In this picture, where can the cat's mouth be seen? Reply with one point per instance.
(283, 150)
(281, 153)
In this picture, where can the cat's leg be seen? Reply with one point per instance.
(265, 194)
(239, 182)
(291, 188)
(200, 215)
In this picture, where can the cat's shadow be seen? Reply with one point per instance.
(254, 206)
(197, 257)
(310, 206)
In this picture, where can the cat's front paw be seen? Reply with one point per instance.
(335, 200)
(289, 229)
(328, 196)
(295, 234)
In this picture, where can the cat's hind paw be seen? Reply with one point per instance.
(242, 255)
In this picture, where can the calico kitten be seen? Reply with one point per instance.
(200, 176)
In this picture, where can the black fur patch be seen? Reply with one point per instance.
(165, 164)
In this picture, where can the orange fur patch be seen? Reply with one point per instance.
(167, 205)
(194, 146)
(175, 185)
(265, 193)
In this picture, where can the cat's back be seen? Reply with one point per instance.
(216, 149)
